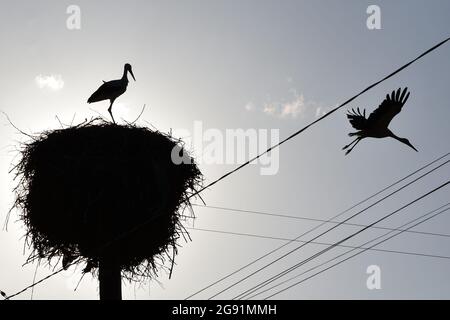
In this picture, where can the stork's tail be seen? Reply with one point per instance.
(352, 134)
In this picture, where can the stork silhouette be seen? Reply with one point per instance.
(376, 125)
(112, 89)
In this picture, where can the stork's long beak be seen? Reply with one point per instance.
(403, 140)
(131, 72)
(409, 144)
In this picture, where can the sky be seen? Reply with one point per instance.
(270, 67)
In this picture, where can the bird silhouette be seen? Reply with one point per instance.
(376, 125)
(112, 89)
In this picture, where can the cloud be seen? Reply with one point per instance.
(53, 82)
(321, 111)
(293, 108)
(296, 106)
(270, 109)
(250, 106)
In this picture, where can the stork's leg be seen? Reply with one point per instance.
(349, 150)
(110, 111)
(345, 147)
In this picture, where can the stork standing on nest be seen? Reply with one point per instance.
(112, 89)
(376, 125)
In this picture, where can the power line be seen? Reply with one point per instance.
(320, 243)
(292, 135)
(342, 261)
(34, 284)
(334, 217)
(264, 213)
(323, 117)
(288, 270)
(359, 247)
(398, 181)
(328, 230)
(300, 131)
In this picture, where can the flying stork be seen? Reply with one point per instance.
(376, 125)
(112, 89)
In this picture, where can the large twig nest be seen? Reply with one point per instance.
(98, 187)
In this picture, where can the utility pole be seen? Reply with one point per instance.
(109, 278)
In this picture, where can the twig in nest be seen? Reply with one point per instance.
(101, 116)
(139, 116)
(14, 126)
(60, 123)
(73, 119)
(79, 281)
(150, 125)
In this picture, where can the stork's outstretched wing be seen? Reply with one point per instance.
(357, 119)
(388, 109)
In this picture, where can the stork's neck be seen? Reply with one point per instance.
(392, 135)
(124, 76)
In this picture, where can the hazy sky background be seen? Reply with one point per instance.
(235, 64)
